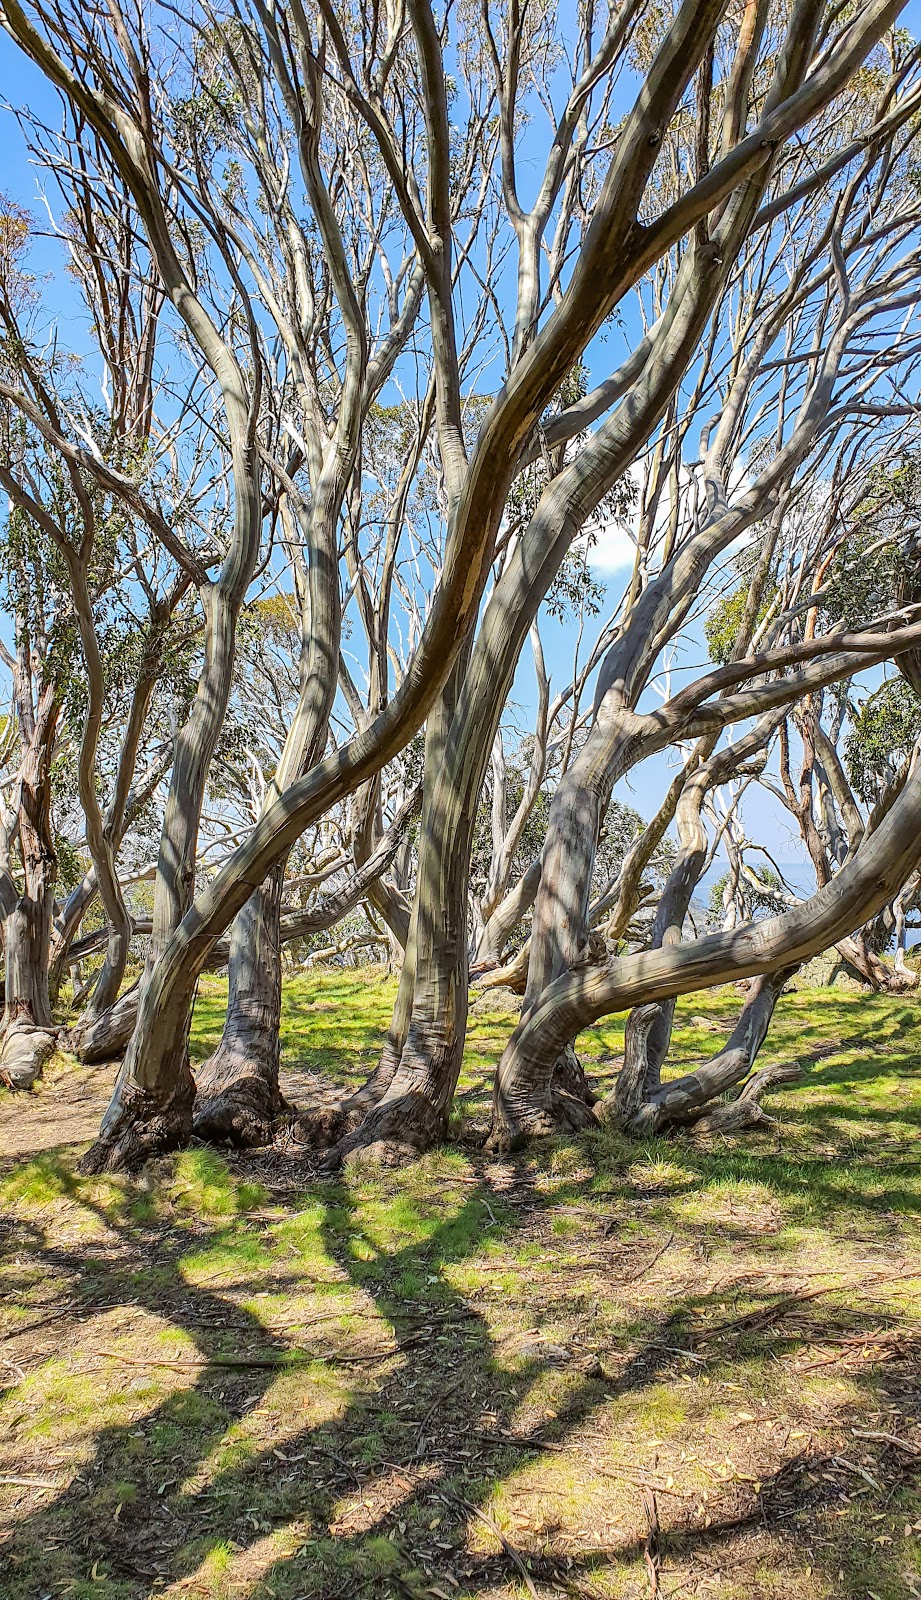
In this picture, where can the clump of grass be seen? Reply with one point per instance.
(203, 1184)
(38, 1182)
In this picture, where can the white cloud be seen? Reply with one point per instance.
(614, 550)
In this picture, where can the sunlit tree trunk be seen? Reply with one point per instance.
(28, 907)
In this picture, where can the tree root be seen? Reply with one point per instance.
(24, 1053)
(238, 1101)
(392, 1133)
(568, 1107)
(564, 1114)
(139, 1128)
(323, 1125)
(318, 1127)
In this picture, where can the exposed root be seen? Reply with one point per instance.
(24, 1053)
(321, 1126)
(564, 1114)
(238, 1101)
(396, 1131)
(138, 1128)
(326, 1124)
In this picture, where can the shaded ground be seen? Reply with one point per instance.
(599, 1370)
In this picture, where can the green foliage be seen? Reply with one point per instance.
(883, 735)
(862, 581)
(873, 569)
(754, 902)
(574, 591)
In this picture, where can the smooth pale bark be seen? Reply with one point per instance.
(27, 1035)
(104, 834)
(109, 1039)
(167, 1117)
(648, 1032)
(505, 918)
(560, 921)
(873, 876)
(641, 1104)
(616, 251)
(239, 1097)
(238, 1094)
(418, 1086)
(127, 801)
(464, 748)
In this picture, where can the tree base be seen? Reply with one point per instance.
(568, 1108)
(565, 1115)
(24, 1054)
(138, 1128)
(106, 1037)
(238, 1101)
(398, 1130)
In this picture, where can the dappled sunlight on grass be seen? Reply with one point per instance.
(263, 1388)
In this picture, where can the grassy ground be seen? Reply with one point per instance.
(597, 1370)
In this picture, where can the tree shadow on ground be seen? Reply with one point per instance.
(423, 1414)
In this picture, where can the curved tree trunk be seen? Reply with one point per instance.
(865, 884)
(505, 917)
(412, 1112)
(641, 1105)
(532, 1105)
(144, 1119)
(615, 251)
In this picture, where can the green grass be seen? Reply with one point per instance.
(393, 1318)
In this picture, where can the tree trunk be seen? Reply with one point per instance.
(152, 1111)
(412, 1112)
(505, 917)
(238, 1095)
(641, 1105)
(27, 1035)
(106, 1037)
(867, 882)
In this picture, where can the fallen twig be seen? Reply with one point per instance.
(196, 1363)
(648, 1265)
(852, 1466)
(27, 1483)
(888, 1438)
(651, 1551)
(757, 1319)
(525, 1440)
(620, 1475)
(496, 1531)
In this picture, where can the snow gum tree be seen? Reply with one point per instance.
(463, 215)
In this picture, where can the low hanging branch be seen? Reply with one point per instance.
(871, 878)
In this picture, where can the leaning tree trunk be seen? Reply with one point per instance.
(641, 1105)
(871, 878)
(532, 1104)
(238, 1093)
(145, 1118)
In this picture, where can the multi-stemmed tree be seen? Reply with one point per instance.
(337, 210)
